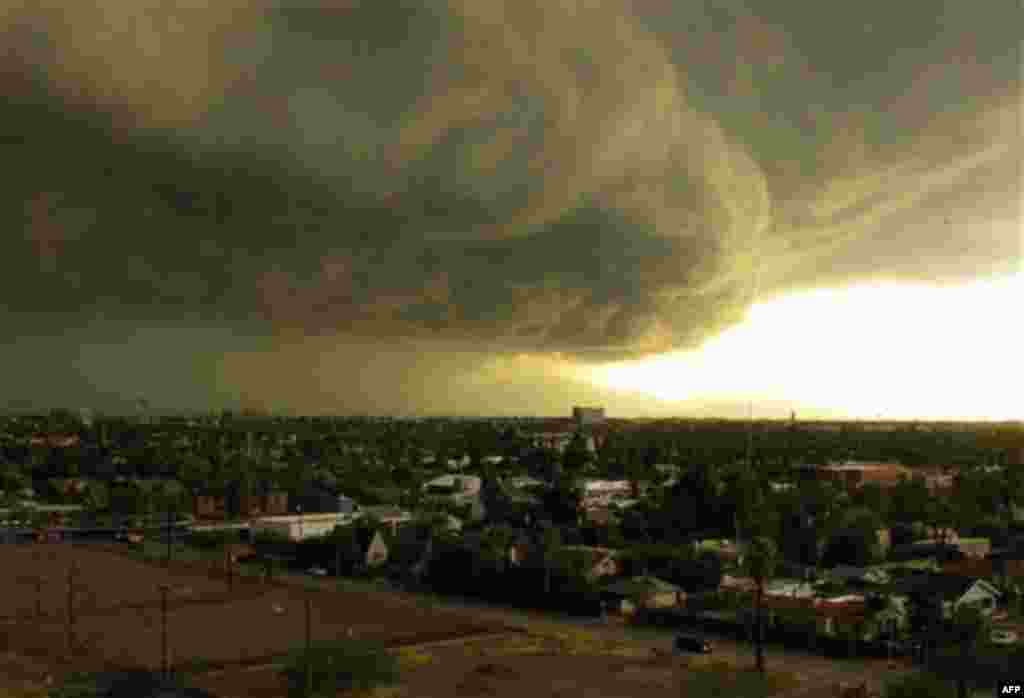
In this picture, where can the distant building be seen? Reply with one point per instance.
(458, 488)
(586, 417)
(298, 527)
(856, 475)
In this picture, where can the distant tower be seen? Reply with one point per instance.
(588, 416)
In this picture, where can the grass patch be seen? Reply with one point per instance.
(719, 677)
(411, 658)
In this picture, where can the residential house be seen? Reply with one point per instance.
(598, 562)
(209, 506)
(924, 551)
(644, 591)
(728, 551)
(459, 489)
(859, 576)
(372, 547)
(369, 549)
(975, 547)
(852, 475)
(952, 590)
(737, 584)
(298, 527)
(391, 517)
(838, 612)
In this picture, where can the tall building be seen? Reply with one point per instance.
(588, 416)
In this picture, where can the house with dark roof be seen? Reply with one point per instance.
(858, 576)
(952, 590)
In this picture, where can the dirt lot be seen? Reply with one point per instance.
(105, 581)
(256, 621)
(505, 668)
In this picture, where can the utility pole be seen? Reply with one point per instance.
(71, 609)
(309, 643)
(167, 562)
(165, 668)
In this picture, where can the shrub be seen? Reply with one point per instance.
(921, 685)
(125, 684)
(340, 665)
(209, 540)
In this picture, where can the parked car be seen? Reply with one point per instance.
(692, 643)
(317, 571)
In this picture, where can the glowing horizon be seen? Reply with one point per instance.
(892, 351)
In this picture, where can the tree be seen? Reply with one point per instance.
(494, 547)
(96, 497)
(970, 627)
(551, 543)
(759, 560)
(576, 455)
(977, 493)
(942, 517)
(856, 543)
(562, 501)
(908, 501)
(918, 685)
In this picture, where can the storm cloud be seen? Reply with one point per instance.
(479, 178)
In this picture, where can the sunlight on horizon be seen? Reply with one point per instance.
(896, 351)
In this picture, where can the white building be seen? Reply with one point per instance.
(459, 488)
(298, 527)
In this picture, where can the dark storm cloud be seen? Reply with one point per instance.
(592, 180)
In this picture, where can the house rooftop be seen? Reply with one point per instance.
(949, 586)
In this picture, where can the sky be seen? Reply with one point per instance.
(478, 207)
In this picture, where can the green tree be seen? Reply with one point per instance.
(977, 494)
(856, 542)
(96, 498)
(759, 560)
(495, 546)
(551, 544)
(970, 628)
(918, 685)
(908, 501)
(575, 456)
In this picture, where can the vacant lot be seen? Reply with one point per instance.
(104, 581)
(515, 667)
(118, 617)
